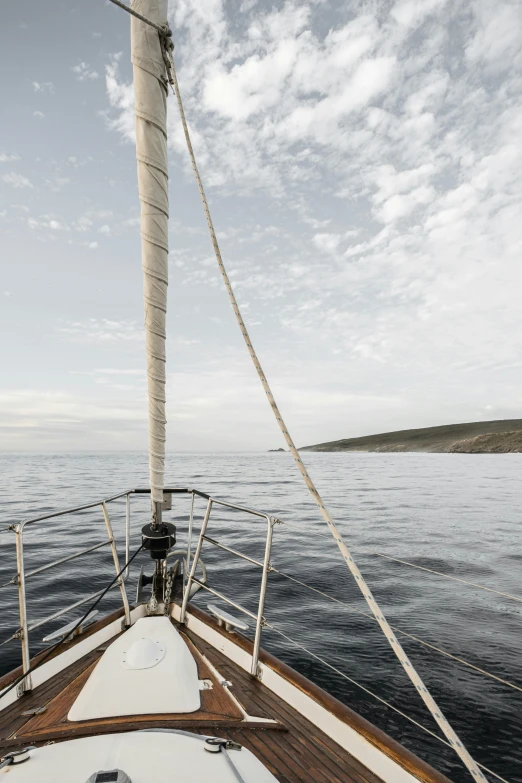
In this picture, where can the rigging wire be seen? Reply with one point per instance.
(426, 696)
(398, 630)
(80, 621)
(18, 633)
(413, 565)
(375, 696)
(448, 576)
(161, 29)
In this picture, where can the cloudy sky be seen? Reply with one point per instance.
(364, 167)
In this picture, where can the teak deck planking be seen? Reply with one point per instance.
(292, 748)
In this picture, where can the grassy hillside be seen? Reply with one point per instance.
(476, 437)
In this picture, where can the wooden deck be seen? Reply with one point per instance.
(298, 752)
(291, 747)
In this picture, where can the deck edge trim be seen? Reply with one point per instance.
(275, 671)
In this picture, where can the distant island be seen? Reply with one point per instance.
(477, 437)
(270, 450)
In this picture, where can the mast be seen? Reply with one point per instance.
(150, 88)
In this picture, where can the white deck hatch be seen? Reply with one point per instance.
(148, 669)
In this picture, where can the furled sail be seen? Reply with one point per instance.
(150, 87)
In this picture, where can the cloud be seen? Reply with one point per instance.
(102, 330)
(39, 114)
(53, 418)
(84, 223)
(326, 242)
(421, 144)
(118, 371)
(402, 205)
(57, 183)
(43, 87)
(47, 222)
(77, 163)
(365, 172)
(118, 379)
(6, 157)
(412, 13)
(252, 97)
(83, 230)
(121, 99)
(496, 36)
(187, 341)
(84, 72)
(17, 180)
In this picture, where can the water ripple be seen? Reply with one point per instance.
(452, 513)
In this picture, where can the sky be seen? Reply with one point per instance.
(363, 164)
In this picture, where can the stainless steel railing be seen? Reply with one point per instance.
(265, 566)
(21, 576)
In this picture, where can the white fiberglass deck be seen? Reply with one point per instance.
(145, 756)
(148, 670)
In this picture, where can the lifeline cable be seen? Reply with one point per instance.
(375, 696)
(426, 696)
(411, 565)
(352, 608)
(449, 576)
(80, 621)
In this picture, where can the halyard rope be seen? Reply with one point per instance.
(454, 741)
(388, 632)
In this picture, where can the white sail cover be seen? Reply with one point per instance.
(151, 152)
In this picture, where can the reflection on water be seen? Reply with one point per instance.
(452, 513)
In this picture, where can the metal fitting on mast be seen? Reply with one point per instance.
(158, 537)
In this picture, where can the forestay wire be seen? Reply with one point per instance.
(167, 51)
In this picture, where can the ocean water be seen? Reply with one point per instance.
(458, 514)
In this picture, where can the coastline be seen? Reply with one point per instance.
(486, 437)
